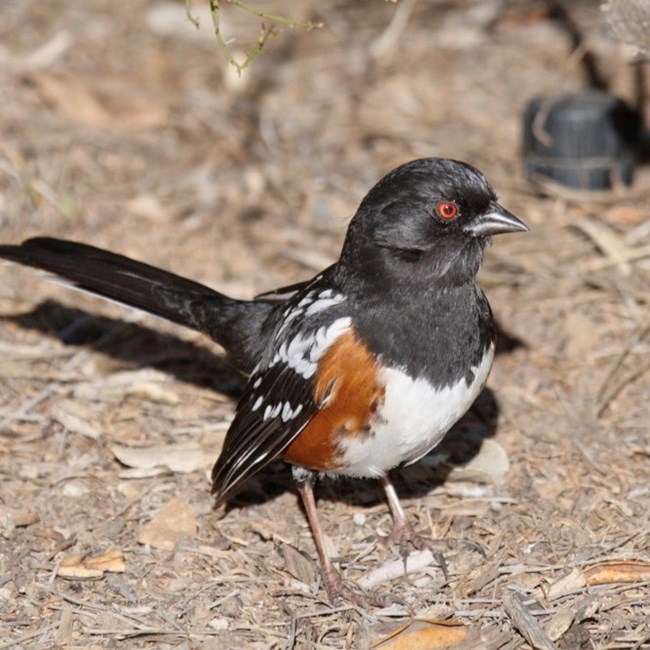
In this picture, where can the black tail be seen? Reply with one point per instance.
(234, 324)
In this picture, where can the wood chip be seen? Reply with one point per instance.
(618, 571)
(526, 624)
(63, 634)
(563, 618)
(421, 634)
(174, 522)
(626, 214)
(81, 567)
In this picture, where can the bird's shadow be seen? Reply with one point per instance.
(142, 346)
(135, 344)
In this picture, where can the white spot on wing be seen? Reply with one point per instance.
(289, 316)
(324, 302)
(302, 353)
(272, 411)
(312, 303)
(287, 412)
(258, 403)
(307, 299)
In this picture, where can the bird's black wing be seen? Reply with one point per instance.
(282, 294)
(263, 428)
(279, 400)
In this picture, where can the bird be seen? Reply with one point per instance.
(361, 369)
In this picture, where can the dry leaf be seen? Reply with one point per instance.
(154, 392)
(146, 381)
(618, 571)
(82, 567)
(174, 521)
(421, 634)
(24, 518)
(490, 465)
(147, 206)
(414, 563)
(137, 473)
(626, 214)
(465, 508)
(73, 422)
(582, 337)
(96, 103)
(560, 623)
(111, 561)
(299, 565)
(565, 585)
(179, 457)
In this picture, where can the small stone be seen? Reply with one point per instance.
(219, 623)
(75, 489)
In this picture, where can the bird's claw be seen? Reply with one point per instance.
(407, 540)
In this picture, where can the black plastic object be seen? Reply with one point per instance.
(585, 140)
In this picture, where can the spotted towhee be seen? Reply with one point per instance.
(363, 368)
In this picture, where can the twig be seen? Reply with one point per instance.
(27, 406)
(386, 42)
(265, 31)
(608, 242)
(282, 20)
(643, 330)
(604, 396)
(630, 378)
(14, 643)
(630, 255)
(188, 12)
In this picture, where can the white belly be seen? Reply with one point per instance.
(413, 420)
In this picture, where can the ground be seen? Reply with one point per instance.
(124, 127)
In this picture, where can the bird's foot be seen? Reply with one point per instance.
(344, 591)
(405, 537)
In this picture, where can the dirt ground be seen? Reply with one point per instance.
(122, 126)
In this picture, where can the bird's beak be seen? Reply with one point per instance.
(495, 221)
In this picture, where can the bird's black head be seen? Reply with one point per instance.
(428, 219)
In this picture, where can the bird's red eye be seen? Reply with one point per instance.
(447, 210)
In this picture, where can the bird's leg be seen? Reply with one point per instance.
(403, 533)
(334, 584)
